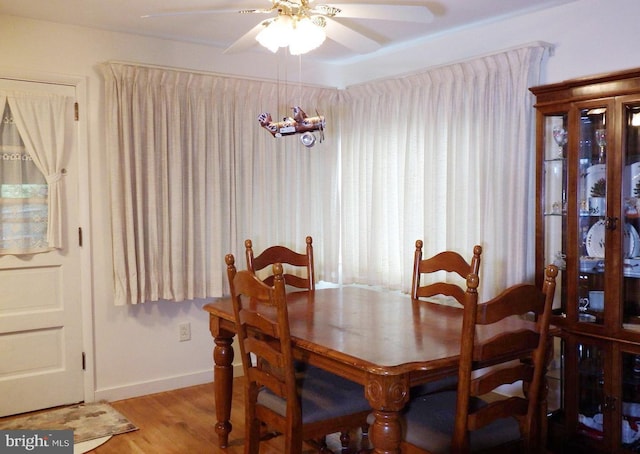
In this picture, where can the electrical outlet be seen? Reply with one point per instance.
(185, 331)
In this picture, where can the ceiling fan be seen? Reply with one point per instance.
(316, 18)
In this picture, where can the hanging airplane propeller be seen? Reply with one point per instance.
(322, 15)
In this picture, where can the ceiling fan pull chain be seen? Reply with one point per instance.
(300, 80)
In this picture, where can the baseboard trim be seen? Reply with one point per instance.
(160, 385)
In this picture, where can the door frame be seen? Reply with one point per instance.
(84, 214)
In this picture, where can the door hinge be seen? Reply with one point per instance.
(80, 236)
(84, 361)
(76, 112)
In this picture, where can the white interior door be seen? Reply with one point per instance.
(41, 359)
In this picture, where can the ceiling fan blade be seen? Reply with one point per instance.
(188, 13)
(350, 38)
(205, 11)
(391, 12)
(245, 41)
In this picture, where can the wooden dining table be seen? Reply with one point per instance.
(384, 340)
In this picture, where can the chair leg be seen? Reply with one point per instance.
(365, 447)
(293, 441)
(320, 445)
(345, 440)
(253, 437)
(325, 448)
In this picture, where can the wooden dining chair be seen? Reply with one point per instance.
(283, 255)
(443, 262)
(466, 420)
(446, 261)
(303, 406)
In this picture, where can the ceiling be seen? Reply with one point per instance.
(221, 30)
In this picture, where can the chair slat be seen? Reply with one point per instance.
(506, 408)
(449, 261)
(505, 344)
(256, 320)
(275, 254)
(518, 300)
(497, 376)
(441, 288)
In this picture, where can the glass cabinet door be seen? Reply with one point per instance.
(591, 392)
(630, 414)
(592, 212)
(631, 211)
(555, 199)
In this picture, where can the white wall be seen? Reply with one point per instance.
(136, 348)
(590, 37)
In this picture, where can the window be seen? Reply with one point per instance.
(23, 193)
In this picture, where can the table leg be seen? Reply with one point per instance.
(387, 396)
(223, 385)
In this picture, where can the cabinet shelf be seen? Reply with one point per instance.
(631, 326)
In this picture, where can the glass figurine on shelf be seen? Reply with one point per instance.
(601, 140)
(560, 137)
(560, 260)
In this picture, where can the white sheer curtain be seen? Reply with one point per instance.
(193, 175)
(43, 124)
(445, 156)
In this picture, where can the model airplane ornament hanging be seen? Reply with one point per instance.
(300, 123)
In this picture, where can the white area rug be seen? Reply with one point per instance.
(90, 445)
(89, 421)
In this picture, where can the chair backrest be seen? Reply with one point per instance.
(448, 261)
(265, 341)
(511, 355)
(282, 255)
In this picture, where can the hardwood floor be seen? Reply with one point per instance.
(182, 422)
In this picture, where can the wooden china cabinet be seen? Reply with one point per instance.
(587, 222)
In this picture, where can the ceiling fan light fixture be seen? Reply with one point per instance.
(306, 36)
(300, 33)
(276, 33)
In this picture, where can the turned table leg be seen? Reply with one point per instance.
(387, 396)
(223, 383)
